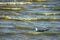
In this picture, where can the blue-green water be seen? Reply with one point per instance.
(29, 12)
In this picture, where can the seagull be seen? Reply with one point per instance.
(36, 29)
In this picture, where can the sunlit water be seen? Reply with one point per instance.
(28, 12)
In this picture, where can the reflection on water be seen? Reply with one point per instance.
(34, 10)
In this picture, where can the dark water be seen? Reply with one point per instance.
(30, 12)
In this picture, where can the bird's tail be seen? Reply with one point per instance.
(46, 29)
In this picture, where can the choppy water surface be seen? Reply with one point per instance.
(31, 11)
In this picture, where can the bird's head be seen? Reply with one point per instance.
(36, 28)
